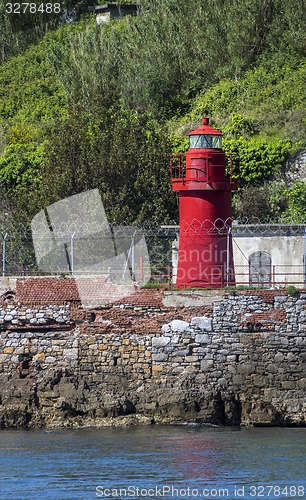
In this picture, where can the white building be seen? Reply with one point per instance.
(269, 254)
(265, 254)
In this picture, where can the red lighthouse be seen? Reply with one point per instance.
(200, 176)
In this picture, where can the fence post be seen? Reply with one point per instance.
(72, 252)
(133, 258)
(4, 254)
(140, 269)
(228, 255)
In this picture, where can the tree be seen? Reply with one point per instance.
(122, 153)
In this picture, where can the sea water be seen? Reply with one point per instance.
(153, 462)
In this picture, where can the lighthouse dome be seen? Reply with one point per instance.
(205, 137)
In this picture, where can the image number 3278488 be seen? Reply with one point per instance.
(32, 8)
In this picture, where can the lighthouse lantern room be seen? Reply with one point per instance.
(204, 180)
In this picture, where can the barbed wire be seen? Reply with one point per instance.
(239, 226)
(20, 243)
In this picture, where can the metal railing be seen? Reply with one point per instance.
(178, 167)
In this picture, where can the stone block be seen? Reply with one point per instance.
(160, 341)
(176, 360)
(157, 368)
(50, 359)
(206, 364)
(8, 350)
(278, 357)
(302, 383)
(284, 341)
(191, 359)
(20, 350)
(40, 356)
(177, 325)
(105, 347)
(190, 369)
(160, 357)
(237, 379)
(202, 338)
(289, 384)
(177, 370)
(50, 394)
(203, 323)
(259, 381)
(231, 358)
(246, 368)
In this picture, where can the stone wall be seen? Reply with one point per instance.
(13, 316)
(242, 363)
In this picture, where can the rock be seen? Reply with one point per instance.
(160, 341)
(202, 338)
(203, 323)
(178, 326)
(206, 364)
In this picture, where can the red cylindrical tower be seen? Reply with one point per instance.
(200, 176)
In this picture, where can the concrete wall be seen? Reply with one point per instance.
(287, 257)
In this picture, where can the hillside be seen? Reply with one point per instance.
(103, 106)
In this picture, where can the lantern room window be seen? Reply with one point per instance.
(205, 141)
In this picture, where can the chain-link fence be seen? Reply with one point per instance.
(71, 246)
(268, 253)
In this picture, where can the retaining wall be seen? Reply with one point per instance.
(240, 361)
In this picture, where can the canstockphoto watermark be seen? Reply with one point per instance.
(73, 237)
(271, 491)
(154, 492)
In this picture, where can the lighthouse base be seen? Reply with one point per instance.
(205, 254)
(203, 264)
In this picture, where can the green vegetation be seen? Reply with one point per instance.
(296, 196)
(292, 290)
(85, 106)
